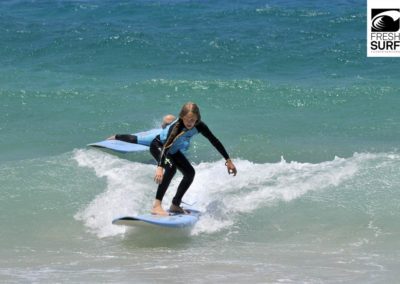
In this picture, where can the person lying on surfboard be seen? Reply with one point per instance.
(145, 139)
(168, 148)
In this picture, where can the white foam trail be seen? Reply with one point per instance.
(126, 186)
(260, 185)
(130, 188)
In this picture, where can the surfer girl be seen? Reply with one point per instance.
(168, 148)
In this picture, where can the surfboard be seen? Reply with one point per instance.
(119, 146)
(144, 140)
(171, 221)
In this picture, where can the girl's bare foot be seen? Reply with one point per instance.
(158, 210)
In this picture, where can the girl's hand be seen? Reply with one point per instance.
(231, 167)
(159, 175)
(111, 137)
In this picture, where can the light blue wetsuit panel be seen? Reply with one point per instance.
(182, 143)
(145, 137)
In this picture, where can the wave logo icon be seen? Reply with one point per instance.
(385, 20)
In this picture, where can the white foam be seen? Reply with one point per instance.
(259, 185)
(130, 188)
(126, 186)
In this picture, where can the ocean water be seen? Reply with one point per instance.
(311, 123)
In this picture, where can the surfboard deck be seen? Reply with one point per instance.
(125, 147)
(119, 146)
(171, 221)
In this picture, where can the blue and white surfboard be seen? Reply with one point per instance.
(172, 221)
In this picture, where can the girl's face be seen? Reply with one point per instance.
(189, 120)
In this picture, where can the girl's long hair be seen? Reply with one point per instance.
(177, 130)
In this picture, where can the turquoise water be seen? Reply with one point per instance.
(311, 123)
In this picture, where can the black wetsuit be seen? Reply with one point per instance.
(127, 138)
(171, 162)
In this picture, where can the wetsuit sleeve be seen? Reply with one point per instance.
(127, 138)
(206, 132)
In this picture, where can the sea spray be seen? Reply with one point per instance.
(130, 188)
